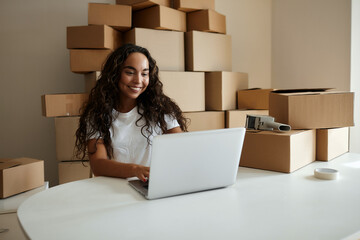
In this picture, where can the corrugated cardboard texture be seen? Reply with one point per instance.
(97, 36)
(73, 171)
(206, 20)
(253, 99)
(141, 4)
(58, 105)
(117, 16)
(208, 51)
(187, 89)
(221, 88)
(87, 60)
(65, 129)
(191, 5)
(209, 120)
(166, 47)
(331, 143)
(281, 152)
(237, 118)
(160, 17)
(24, 175)
(310, 110)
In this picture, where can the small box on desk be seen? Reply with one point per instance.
(116, 16)
(187, 89)
(88, 60)
(207, 120)
(208, 52)
(191, 5)
(255, 98)
(96, 36)
(58, 105)
(160, 17)
(312, 108)
(65, 129)
(280, 152)
(221, 88)
(206, 20)
(166, 47)
(70, 171)
(237, 118)
(141, 4)
(331, 143)
(19, 175)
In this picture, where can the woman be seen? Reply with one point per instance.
(125, 110)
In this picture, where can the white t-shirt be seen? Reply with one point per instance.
(129, 145)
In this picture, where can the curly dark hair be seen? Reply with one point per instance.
(97, 113)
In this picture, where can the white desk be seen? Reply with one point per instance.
(261, 205)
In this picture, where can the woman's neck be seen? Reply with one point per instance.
(125, 107)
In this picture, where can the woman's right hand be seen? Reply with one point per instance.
(141, 172)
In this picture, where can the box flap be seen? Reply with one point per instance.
(301, 90)
(7, 163)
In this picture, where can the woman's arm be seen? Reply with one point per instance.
(102, 166)
(174, 130)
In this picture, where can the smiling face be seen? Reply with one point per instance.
(134, 79)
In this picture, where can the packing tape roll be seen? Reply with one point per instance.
(326, 173)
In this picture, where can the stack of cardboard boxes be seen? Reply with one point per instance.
(189, 43)
(320, 121)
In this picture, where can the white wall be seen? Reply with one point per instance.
(311, 43)
(249, 24)
(355, 74)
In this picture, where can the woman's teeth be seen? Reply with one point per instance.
(135, 88)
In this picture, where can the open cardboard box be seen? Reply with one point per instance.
(312, 108)
(19, 175)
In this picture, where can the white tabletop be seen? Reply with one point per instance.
(261, 205)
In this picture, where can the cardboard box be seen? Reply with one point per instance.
(207, 51)
(281, 152)
(90, 80)
(74, 170)
(312, 108)
(65, 129)
(19, 175)
(255, 98)
(191, 5)
(58, 105)
(88, 60)
(141, 4)
(187, 89)
(209, 120)
(96, 36)
(207, 21)
(116, 16)
(160, 17)
(166, 47)
(221, 88)
(237, 118)
(331, 143)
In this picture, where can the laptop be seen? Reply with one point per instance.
(190, 162)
